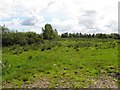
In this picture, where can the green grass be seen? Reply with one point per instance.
(73, 61)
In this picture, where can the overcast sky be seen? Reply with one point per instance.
(86, 16)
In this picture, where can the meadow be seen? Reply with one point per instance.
(63, 63)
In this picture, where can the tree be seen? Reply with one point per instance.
(4, 29)
(93, 35)
(49, 33)
(64, 35)
(70, 35)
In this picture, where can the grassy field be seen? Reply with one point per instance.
(76, 63)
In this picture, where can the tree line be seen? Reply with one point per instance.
(48, 33)
(98, 35)
(26, 38)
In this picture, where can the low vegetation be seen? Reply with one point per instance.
(55, 62)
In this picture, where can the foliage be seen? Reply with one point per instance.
(98, 35)
(49, 33)
(10, 38)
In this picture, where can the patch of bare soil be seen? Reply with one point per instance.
(104, 81)
(37, 83)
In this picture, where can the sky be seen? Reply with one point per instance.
(85, 16)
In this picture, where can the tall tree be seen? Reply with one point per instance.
(49, 33)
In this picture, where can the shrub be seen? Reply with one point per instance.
(42, 49)
(77, 49)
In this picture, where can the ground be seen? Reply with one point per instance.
(78, 63)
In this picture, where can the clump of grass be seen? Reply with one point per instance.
(77, 49)
(42, 49)
(24, 78)
(30, 57)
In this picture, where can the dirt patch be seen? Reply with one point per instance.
(37, 83)
(104, 81)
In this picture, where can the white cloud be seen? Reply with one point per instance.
(6, 8)
(86, 16)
